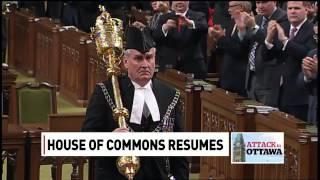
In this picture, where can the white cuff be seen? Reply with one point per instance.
(242, 34)
(306, 79)
(255, 29)
(269, 45)
(165, 33)
(193, 26)
(285, 45)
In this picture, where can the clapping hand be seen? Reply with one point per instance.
(271, 30)
(138, 25)
(310, 67)
(183, 20)
(169, 24)
(216, 31)
(239, 19)
(249, 20)
(281, 36)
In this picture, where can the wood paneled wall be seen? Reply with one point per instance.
(48, 51)
(74, 66)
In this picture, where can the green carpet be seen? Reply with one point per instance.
(45, 172)
(22, 78)
(63, 105)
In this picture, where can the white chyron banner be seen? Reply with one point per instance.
(134, 144)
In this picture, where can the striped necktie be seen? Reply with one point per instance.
(264, 23)
(252, 53)
(154, 21)
(252, 56)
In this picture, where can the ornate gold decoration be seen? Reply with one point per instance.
(108, 36)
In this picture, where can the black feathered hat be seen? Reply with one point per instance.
(139, 39)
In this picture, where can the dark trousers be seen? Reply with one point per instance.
(251, 86)
(298, 111)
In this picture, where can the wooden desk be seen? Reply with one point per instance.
(57, 123)
(300, 148)
(222, 111)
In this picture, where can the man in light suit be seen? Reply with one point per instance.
(178, 38)
(290, 42)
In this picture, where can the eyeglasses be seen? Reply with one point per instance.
(231, 6)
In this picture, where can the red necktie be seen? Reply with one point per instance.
(179, 24)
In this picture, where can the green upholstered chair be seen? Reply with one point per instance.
(35, 102)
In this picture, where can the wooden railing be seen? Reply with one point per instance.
(300, 148)
(22, 144)
(70, 122)
(222, 111)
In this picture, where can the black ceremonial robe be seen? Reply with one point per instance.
(99, 119)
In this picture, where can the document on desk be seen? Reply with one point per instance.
(263, 109)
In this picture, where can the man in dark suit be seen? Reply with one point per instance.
(145, 114)
(221, 15)
(309, 77)
(36, 7)
(55, 10)
(70, 14)
(262, 74)
(88, 13)
(234, 53)
(291, 41)
(178, 38)
(159, 9)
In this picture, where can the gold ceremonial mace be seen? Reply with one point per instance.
(108, 38)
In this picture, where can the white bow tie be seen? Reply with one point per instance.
(144, 95)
